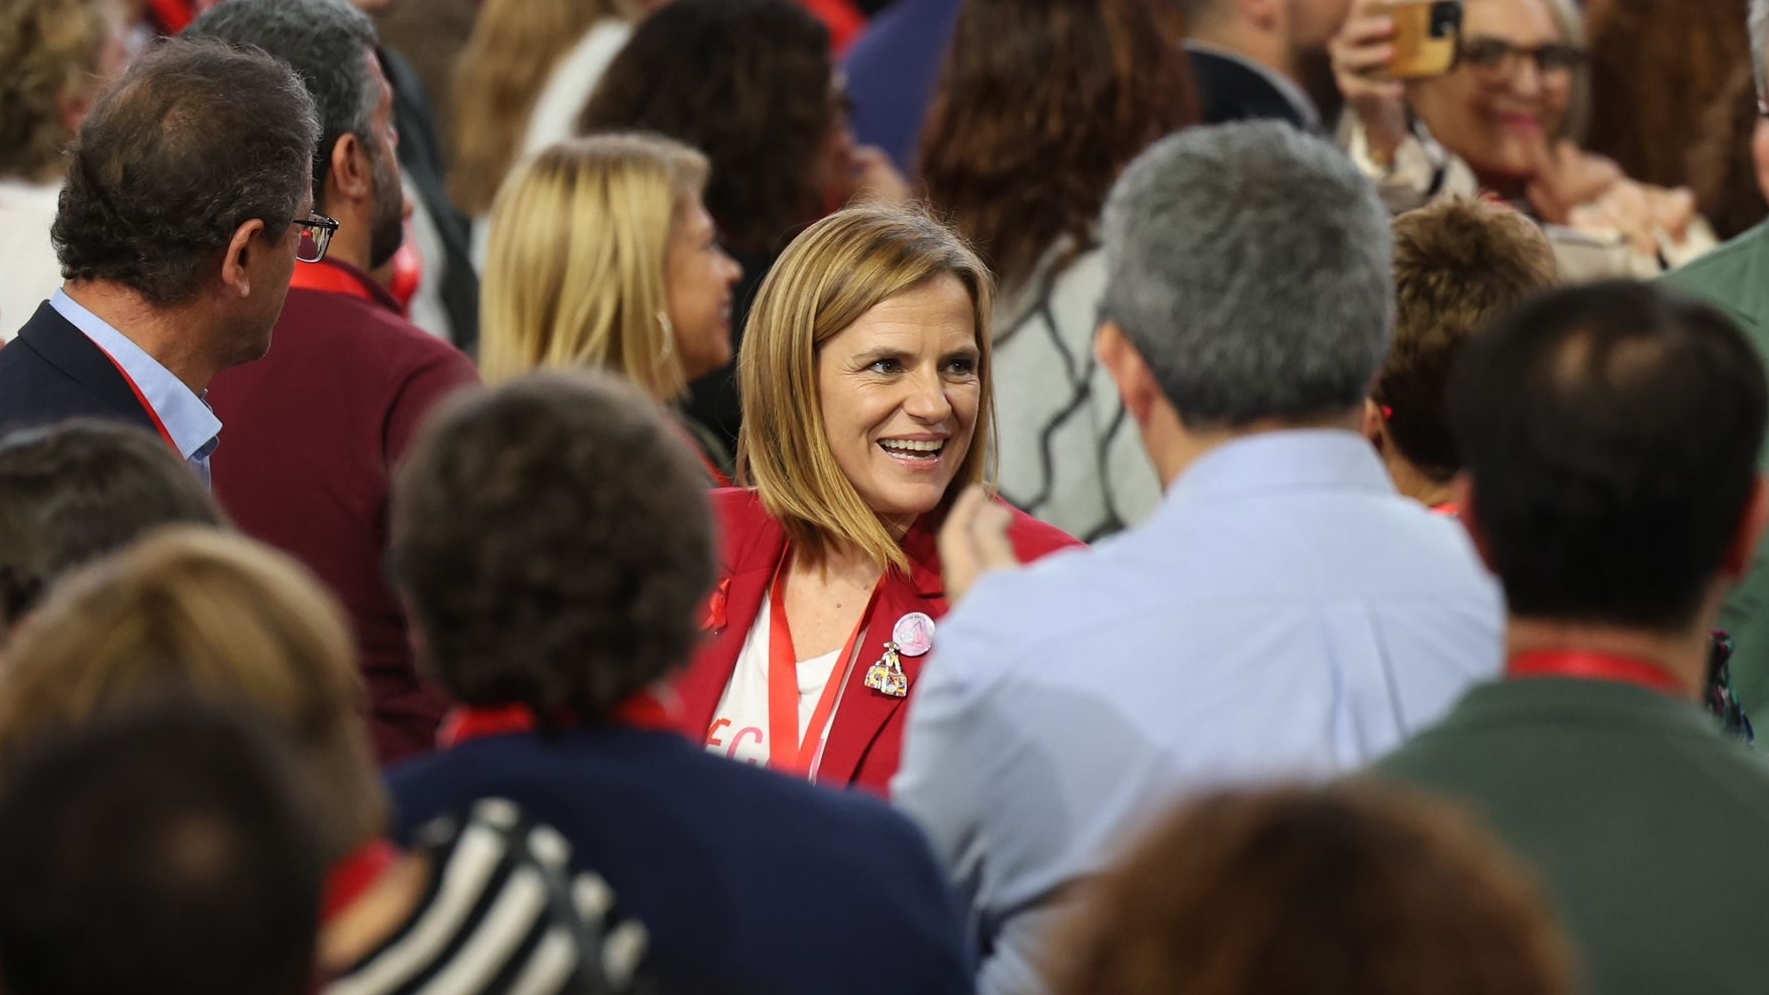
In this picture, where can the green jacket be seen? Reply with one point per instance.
(1645, 825)
(1735, 278)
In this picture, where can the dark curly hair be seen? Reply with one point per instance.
(1043, 103)
(196, 140)
(74, 491)
(748, 83)
(553, 538)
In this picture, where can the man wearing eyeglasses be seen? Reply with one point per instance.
(1735, 277)
(176, 238)
(316, 429)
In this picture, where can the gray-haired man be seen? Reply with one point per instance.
(1734, 277)
(1284, 614)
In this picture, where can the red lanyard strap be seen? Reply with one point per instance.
(159, 426)
(788, 752)
(1581, 665)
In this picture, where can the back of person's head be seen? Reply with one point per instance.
(1458, 266)
(330, 45)
(56, 53)
(553, 539)
(196, 140)
(1042, 104)
(77, 490)
(576, 263)
(166, 851)
(1612, 434)
(1340, 891)
(514, 48)
(749, 83)
(218, 617)
(1252, 268)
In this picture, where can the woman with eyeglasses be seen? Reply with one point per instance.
(1505, 122)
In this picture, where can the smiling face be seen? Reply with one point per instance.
(900, 389)
(1496, 116)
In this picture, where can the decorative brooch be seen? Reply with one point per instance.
(912, 636)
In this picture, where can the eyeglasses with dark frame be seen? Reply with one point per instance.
(316, 234)
(1498, 55)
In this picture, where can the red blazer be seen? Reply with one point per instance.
(866, 735)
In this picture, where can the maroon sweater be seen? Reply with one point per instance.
(309, 440)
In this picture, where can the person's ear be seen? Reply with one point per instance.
(351, 175)
(1467, 500)
(1760, 154)
(1375, 426)
(236, 264)
(1743, 547)
(1136, 382)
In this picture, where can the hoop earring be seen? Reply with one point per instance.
(669, 336)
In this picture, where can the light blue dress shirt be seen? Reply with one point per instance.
(1284, 615)
(195, 430)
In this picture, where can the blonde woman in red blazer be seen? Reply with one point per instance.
(867, 407)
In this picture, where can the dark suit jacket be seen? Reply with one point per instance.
(866, 734)
(52, 372)
(746, 881)
(1230, 91)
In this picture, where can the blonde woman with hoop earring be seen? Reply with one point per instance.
(602, 255)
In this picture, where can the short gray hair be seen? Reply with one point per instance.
(1759, 24)
(1252, 266)
(324, 42)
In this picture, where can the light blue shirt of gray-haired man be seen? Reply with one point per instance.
(1284, 615)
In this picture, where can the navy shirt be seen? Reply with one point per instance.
(746, 881)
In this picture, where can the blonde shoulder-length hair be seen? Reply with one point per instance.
(190, 610)
(834, 272)
(579, 249)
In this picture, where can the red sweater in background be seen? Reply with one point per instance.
(310, 435)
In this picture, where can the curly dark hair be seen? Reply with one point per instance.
(196, 140)
(327, 42)
(748, 83)
(74, 491)
(553, 538)
(1043, 103)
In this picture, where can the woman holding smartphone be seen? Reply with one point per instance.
(1502, 121)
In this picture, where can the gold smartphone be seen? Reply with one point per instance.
(1427, 37)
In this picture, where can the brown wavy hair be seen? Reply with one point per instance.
(749, 83)
(1042, 104)
(507, 61)
(1655, 66)
(1350, 890)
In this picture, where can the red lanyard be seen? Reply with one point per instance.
(787, 752)
(1580, 665)
(159, 426)
(353, 875)
(643, 711)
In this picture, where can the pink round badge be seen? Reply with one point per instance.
(914, 634)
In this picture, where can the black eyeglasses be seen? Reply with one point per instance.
(316, 234)
(1494, 55)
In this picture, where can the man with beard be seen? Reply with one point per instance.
(313, 433)
(1264, 59)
